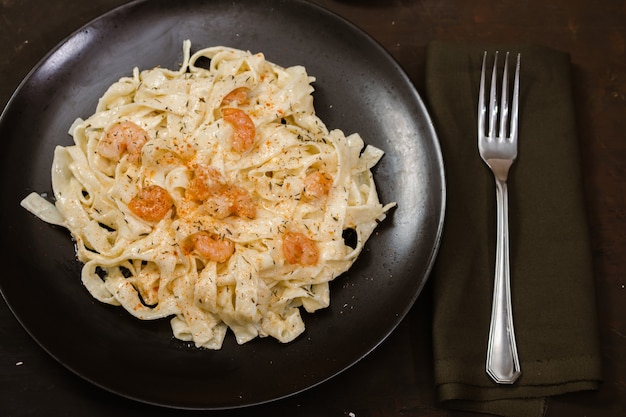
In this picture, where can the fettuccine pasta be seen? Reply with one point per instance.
(214, 196)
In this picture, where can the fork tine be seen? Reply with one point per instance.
(515, 104)
(493, 100)
(504, 99)
(481, 99)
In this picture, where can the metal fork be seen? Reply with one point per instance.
(498, 149)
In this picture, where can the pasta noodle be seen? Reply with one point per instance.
(214, 196)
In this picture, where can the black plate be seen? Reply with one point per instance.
(359, 88)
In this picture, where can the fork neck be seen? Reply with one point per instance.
(500, 167)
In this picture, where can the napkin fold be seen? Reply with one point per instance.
(553, 295)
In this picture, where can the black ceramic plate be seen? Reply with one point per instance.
(359, 88)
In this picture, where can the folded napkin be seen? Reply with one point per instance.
(554, 306)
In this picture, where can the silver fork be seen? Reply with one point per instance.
(499, 149)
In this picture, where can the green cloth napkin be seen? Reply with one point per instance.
(553, 296)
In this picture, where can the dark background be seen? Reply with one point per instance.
(396, 379)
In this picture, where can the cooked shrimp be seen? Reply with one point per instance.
(231, 200)
(217, 206)
(299, 249)
(123, 137)
(219, 199)
(244, 130)
(317, 184)
(206, 182)
(238, 95)
(241, 201)
(152, 203)
(209, 246)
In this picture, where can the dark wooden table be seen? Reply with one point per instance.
(396, 379)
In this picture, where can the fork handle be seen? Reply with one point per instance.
(502, 358)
